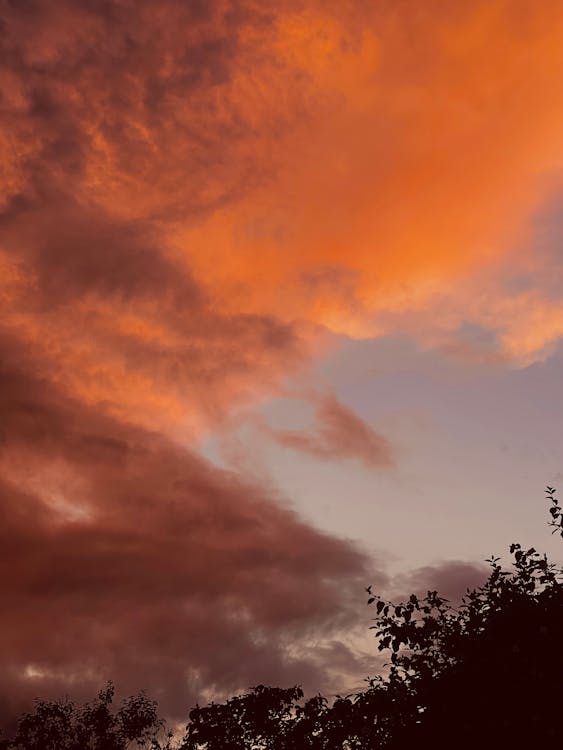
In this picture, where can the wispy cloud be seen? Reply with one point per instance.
(338, 434)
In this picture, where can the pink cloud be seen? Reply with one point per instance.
(338, 434)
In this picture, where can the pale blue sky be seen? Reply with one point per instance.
(475, 445)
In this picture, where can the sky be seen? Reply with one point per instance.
(281, 309)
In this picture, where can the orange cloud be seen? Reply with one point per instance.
(427, 140)
(319, 161)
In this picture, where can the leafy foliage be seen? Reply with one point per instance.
(487, 673)
(555, 511)
(261, 718)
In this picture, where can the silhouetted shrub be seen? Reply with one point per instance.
(62, 725)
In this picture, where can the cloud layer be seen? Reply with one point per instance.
(190, 193)
(126, 556)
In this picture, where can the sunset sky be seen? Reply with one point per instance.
(281, 316)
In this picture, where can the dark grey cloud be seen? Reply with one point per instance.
(138, 561)
(450, 578)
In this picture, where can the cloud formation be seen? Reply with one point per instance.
(338, 434)
(450, 578)
(436, 140)
(189, 192)
(127, 557)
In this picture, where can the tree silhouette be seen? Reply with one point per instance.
(62, 725)
(555, 511)
(485, 674)
(262, 718)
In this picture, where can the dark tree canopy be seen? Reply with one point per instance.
(62, 725)
(485, 674)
